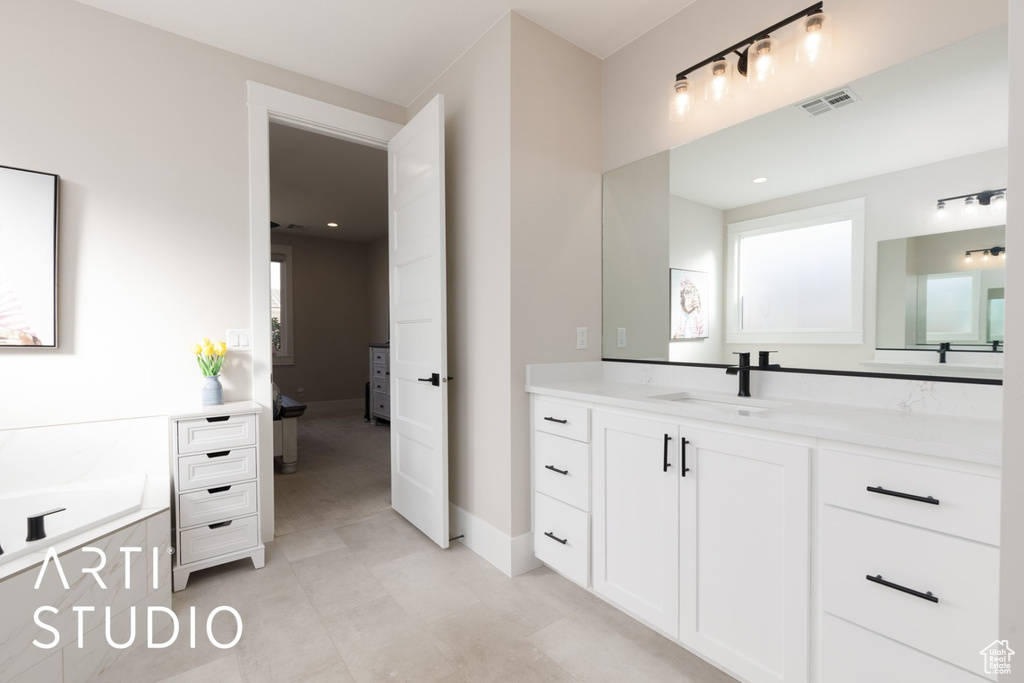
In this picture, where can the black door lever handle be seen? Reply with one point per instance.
(434, 379)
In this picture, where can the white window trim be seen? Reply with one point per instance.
(852, 210)
(974, 335)
(283, 254)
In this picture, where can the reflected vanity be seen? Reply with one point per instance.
(816, 227)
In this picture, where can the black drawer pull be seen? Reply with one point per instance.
(563, 541)
(218, 525)
(219, 418)
(555, 469)
(682, 459)
(895, 586)
(219, 489)
(908, 496)
(555, 419)
(665, 464)
(217, 454)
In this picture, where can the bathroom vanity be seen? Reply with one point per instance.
(780, 537)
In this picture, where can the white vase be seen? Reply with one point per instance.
(213, 392)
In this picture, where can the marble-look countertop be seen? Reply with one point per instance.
(962, 438)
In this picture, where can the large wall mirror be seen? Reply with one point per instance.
(812, 230)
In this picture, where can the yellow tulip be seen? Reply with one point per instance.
(197, 349)
(207, 350)
(221, 348)
(206, 341)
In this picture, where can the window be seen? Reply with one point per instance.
(950, 307)
(281, 304)
(797, 278)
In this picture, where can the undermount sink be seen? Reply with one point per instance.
(738, 405)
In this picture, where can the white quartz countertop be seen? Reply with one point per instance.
(961, 438)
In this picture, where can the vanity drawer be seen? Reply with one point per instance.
(851, 654)
(962, 575)
(381, 386)
(216, 433)
(211, 540)
(382, 404)
(216, 504)
(380, 356)
(380, 373)
(968, 504)
(209, 470)
(564, 419)
(561, 469)
(561, 538)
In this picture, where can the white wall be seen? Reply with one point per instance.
(697, 242)
(478, 127)
(636, 261)
(869, 35)
(556, 219)
(148, 131)
(1011, 588)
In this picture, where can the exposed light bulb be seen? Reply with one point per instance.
(332, 225)
(941, 214)
(967, 258)
(970, 206)
(1002, 254)
(762, 61)
(759, 180)
(719, 81)
(997, 204)
(984, 257)
(680, 104)
(815, 42)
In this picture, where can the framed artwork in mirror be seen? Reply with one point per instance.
(29, 203)
(688, 289)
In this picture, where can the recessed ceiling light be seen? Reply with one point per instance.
(760, 180)
(332, 225)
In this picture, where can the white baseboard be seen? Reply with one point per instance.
(512, 556)
(319, 407)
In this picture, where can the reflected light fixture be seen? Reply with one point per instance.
(986, 254)
(993, 200)
(757, 59)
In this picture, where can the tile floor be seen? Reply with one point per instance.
(352, 592)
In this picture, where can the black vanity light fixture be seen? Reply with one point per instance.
(986, 254)
(994, 200)
(757, 60)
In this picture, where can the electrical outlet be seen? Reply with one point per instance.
(620, 340)
(581, 338)
(301, 392)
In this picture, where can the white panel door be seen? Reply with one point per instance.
(744, 554)
(419, 349)
(636, 517)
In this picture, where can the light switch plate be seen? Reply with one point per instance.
(240, 340)
(620, 340)
(581, 338)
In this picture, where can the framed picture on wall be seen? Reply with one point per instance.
(687, 291)
(29, 203)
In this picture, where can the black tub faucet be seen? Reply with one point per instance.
(36, 530)
(743, 370)
(943, 347)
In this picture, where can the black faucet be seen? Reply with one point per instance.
(36, 530)
(943, 347)
(743, 370)
(995, 345)
(762, 361)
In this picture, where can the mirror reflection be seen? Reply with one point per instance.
(813, 230)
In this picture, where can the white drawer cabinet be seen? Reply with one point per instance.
(561, 469)
(215, 464)
(562, 537)
(380, 382)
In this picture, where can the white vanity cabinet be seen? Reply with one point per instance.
(214, 462)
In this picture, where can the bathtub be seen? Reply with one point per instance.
(88, 504)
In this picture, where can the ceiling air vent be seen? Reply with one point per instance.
(826, 103)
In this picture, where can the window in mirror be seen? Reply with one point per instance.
(950, 310)
(994, 316)
(280, 304)
(798, 277)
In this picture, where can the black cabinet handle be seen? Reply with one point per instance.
(555, 469)
(219, 418)
(682, 458)
(218, 525)
(563, 541)
(665, 464)
(895, 586)
(908, 496)
(219, 489)
(217, 454)
(555, 419)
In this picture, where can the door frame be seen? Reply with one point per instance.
(267, 104)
